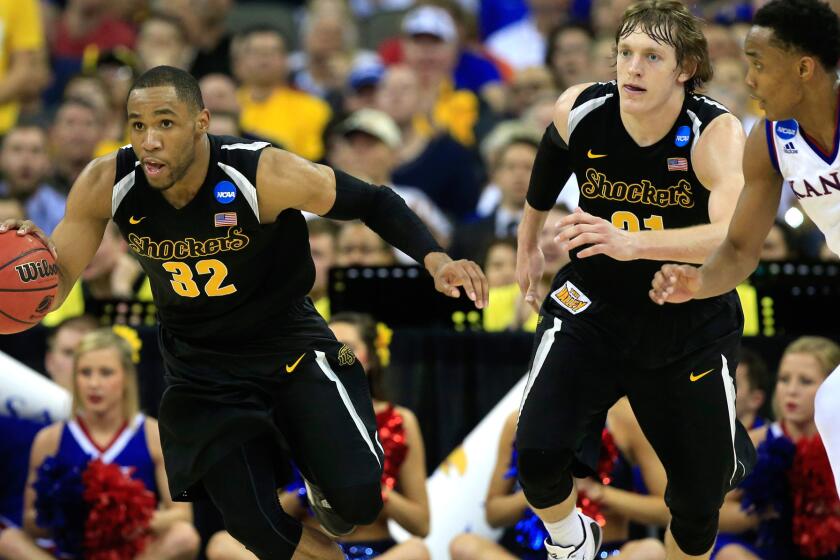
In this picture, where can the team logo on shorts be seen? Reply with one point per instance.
(786, 129)
(570, 297)
(346, 356)
(225, 192)
(682, 137)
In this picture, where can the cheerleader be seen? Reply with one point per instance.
(612, 501)
(404, 476)
(790, 499)
(79, 467)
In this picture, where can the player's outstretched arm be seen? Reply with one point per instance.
(737, 255)
(77, 237)
(287, 181)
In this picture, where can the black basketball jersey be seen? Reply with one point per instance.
(216, 273)
(652, 187)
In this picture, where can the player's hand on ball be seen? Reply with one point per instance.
(27, 226)
(675, 283)
(581, 228)
(466, 274)
(530, 265)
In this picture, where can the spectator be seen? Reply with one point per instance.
(361, 87)
(523, 44)
(211, 40)
(82, 26)
(322, 244)
(75, 133)
(528, 85)
(603, 59)
(18, 433)
(430, 47)
(112, 274)
(500, 262)
(511, 174)
(431, 160)
(329, 37)
(779, 243)
(219, 94)
(270, 108)
(105, 406)
(722, 43)
(93, 89)
(163, 41)
(753, 384)
(25, 167)
(23, 69)
(606, 15)
(569, 55)
(372, 142)
(62, 342)
(359, 245)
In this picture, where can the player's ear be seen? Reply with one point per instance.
(806, 67)
(686, 71)
(202, 120)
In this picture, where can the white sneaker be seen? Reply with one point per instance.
(587, 550)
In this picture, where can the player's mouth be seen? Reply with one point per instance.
(633, 89)
(152, 167)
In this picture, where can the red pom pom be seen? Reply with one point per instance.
(121, 508)
(392, 436)
(816, 508)
(606, 463)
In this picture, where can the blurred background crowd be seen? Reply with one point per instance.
(443, 101)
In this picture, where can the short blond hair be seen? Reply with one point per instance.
(824, 350)
(102, 339)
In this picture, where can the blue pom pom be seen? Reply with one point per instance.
(59, 504)
(530, 531)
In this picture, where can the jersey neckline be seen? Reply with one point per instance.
(814, 145)
(671, 131)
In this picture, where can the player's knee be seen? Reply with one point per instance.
(695, 533)
(545, 476)
(14, 543)
(221, 546)
(359, 505)
(181, 541)
(465, 546)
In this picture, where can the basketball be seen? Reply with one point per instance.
(28, 281)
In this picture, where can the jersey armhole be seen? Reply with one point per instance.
(771, 145)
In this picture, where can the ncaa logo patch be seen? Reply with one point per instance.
(786, 129)
(682, 137)
(225, 192)
(570, 297)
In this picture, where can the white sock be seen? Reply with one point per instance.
(827, 417)
(567, 531)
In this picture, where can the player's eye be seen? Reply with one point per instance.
(653, 57)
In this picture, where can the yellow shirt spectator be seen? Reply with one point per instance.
(20, 31)
(456, 110)
(293, 118)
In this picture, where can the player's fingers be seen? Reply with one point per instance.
(582, 239)
(475, 286)
(599, 249)
(11, 223)
(532, 298)
(445, 287)
(656, 297)
(484, 288)
(471, 280)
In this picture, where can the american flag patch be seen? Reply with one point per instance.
(223, 219)
(677, 164)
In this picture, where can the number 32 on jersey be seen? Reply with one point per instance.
(184, 284)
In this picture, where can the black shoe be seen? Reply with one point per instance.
(329, 519)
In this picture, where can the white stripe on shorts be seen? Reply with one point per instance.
(539, 358)
(729, 390)
(324, 364)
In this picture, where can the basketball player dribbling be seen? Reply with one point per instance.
(659, 169)
(792, 48)
(251, 367)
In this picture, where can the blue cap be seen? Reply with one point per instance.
(367, 75)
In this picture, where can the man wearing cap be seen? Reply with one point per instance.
(430, 47)
(372, 141)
